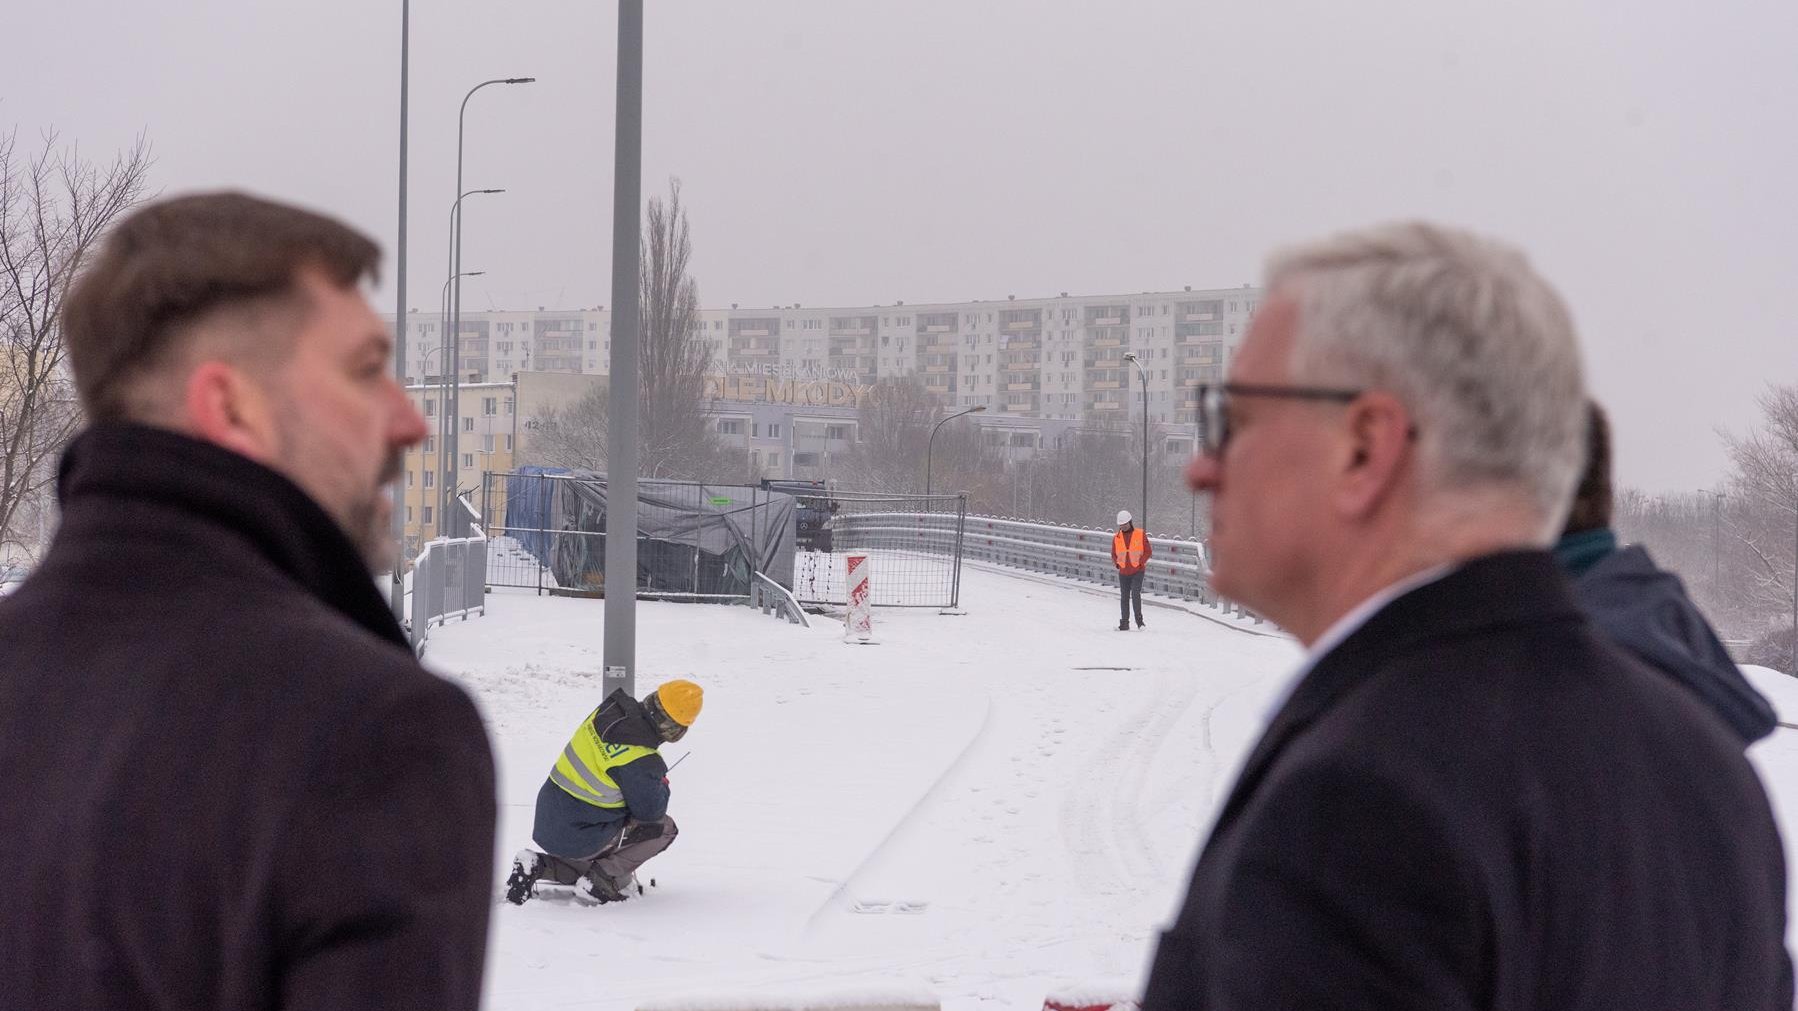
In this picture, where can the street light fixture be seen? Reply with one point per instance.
(1130, 356)
(930, 446)
(455, 356)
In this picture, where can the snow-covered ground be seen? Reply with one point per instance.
(988, 807)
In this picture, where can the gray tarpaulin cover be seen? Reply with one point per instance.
(694, 538)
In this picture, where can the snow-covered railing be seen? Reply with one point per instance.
(449, 580)
(1177, 568)
(772, 598)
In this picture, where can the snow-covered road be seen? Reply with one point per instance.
(988, 806)
(1009, 797)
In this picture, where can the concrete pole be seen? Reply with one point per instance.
(398, 492)
(620, 655)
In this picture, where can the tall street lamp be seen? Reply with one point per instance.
(451, 335)
(444, 424)
(619, 659)
(1130, 356)
(1197, 436)
(455, 352)
(398, 589)
(930, 445)
(454, 220)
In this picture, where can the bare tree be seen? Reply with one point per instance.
(54, 207)
(676, 438)
(894, 422)
(1763, 504)
(573, 435)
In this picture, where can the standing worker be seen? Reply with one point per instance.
(603, 811)
(1130, 552)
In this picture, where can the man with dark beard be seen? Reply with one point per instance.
(228, 782)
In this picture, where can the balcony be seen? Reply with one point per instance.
(1104, 405)
(751, 352)
(1105, 342)
(1198, 317)
(749, 333)
(1023, 324)
(1106, 321)
(937, 328)
(1105, 384)
(1014, 387)
(851, 331)
(1027, 407)
(936, 369)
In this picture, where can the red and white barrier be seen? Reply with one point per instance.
(858, 616)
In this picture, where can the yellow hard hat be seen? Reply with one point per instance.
(681, 700)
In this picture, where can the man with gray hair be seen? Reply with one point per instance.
(1465, 798)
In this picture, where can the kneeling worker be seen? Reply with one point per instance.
(603, 811)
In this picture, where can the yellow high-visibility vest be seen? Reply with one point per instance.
(584, 769)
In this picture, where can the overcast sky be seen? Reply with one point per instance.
(846, 152)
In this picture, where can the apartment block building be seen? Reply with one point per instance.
(1052, 359)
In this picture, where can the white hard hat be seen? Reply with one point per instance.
(1123, 516)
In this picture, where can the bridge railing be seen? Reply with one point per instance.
(1177, 569)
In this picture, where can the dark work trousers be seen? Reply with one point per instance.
(1129, 591)
(619, 858)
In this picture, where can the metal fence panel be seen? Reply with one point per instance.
(696, 540)
(448, 581)
(916, 540)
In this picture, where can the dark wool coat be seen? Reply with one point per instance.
(226, 781)
(1477, 802)
(1644, 609)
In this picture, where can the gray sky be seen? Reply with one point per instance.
(841, 152)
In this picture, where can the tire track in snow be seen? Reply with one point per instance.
(910, 817)
(1102, 816)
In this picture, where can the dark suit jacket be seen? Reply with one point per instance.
(1476, 802)
(225, 782)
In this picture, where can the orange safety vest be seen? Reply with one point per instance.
(1130, 555)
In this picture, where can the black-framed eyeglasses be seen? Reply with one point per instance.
(1214, 406)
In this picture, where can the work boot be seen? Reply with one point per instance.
(599, 886)
(1124, 624)
(527, 867)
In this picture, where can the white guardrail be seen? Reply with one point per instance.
(1177, 568)
(449, 580)
(772, 598)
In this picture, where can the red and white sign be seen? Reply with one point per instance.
(858, 617)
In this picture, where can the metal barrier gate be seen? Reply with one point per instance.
(914, 540)
(449, 580)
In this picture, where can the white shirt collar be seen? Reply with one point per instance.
(1346, 626)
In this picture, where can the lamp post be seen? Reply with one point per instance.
(455, 219)
(1193, 522)
(451, 336)
(444, 423)
(930, 445)
(455, 352)
(398, 590)
(619, 656)
(1130, 356)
